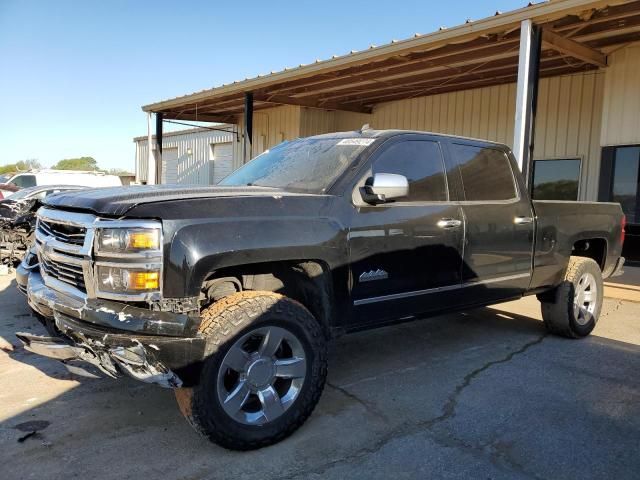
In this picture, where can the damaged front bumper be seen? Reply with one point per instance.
(117, 338)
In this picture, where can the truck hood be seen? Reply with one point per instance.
(117, 201)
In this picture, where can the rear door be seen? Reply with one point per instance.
(499, 220)
(405, 254)
(170, 165)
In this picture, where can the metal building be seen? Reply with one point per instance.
(199, 156)
(558, 81)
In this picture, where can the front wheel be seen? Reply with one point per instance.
(573, 308)
(266, 375)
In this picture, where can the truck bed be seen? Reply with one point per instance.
(561, 225)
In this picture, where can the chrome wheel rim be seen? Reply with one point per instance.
(261, 375)
(585, 298)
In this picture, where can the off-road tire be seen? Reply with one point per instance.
(224, 322)
(557, 305)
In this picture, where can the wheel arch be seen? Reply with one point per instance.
(308, 281)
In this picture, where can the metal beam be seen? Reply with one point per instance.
(573, 48)
(527, 96)
(151, 160)
(192, 117)
(248, 127)
(305, 102)
(158, 172)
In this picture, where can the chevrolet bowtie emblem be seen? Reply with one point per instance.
(373, 275)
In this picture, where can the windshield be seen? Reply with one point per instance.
(308, 165)
(6, 177)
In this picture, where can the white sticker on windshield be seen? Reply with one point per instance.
(364, 142)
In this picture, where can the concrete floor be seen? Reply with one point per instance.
(624, 287)
(485, 394)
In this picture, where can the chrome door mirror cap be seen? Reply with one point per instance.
(383, 187)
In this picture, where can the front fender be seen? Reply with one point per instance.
(199, 249)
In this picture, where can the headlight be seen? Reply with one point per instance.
(127, 280)
(128, 240)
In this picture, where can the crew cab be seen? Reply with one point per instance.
(229, 294)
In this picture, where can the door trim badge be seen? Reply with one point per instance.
(373, 275)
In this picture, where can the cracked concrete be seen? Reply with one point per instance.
(486, 394)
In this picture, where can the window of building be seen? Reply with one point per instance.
(625, 187)
(486, 173)
(422, 163)
(557, 179)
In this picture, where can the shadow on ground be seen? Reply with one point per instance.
(484, 394)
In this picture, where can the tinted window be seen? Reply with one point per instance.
(626, 181)
(23, 181)
(421, 162)
(486, 173)
(556, 179)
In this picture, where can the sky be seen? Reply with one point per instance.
(74, 74)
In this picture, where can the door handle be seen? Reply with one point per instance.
(523, 220)
(449, 223)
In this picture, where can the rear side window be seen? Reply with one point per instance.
(486, 173)
(421, 162)
(24, 181)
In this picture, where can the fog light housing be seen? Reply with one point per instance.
(121, 280)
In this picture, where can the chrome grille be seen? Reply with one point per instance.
(65, 272)
(63, 232)
(67, 261)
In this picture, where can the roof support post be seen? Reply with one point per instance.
(151, 160)
(527, 96)
(248, 127)
(159, 118)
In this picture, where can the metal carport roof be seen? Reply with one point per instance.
(577, 36)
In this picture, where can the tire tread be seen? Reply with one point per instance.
(225, 319)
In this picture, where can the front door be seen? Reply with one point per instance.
(499, 224)
(405, 254)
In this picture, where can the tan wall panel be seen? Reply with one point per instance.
(567, 125)
(270, 127)
(482, 113)
(621, 109)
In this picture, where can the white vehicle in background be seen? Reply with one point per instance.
(39, 178)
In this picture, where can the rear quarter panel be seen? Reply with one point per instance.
(561, 224)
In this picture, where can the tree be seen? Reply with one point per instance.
(28, 164)
(118, 171)
(20, 166)
(81, 163)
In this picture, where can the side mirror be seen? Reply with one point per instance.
(383, 187)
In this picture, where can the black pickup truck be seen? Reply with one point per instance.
(229, 294)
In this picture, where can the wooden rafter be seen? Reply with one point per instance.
(574, 49)
(327, 105)
(205, 117)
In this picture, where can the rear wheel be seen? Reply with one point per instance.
(573, 308)
(265, 376)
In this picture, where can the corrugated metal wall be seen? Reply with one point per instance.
(194, 168)
(576, 115)
(568, 121)
(270, 127)
(621, 111)
(314, 121)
